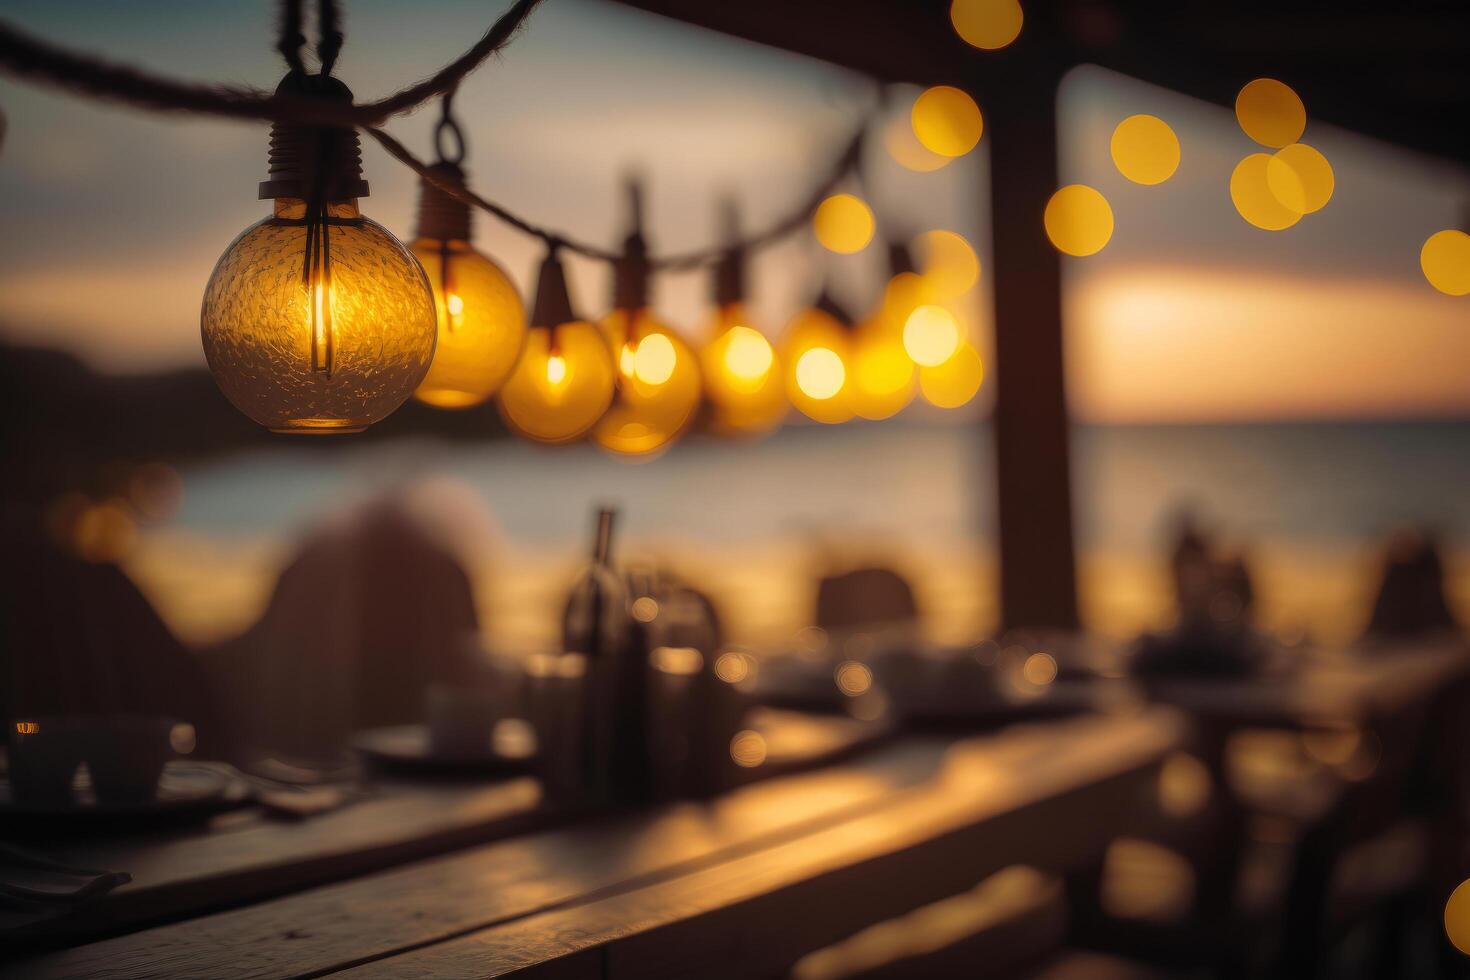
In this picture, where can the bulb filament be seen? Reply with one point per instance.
(316, 273)
(453, 302)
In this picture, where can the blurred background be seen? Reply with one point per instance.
(1304, 392)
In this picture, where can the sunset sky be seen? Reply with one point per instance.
(114, 218)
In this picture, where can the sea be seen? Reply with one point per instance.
(757, 523)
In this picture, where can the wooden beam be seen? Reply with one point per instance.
(1030, 421)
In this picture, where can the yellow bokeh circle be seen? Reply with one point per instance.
(1145, 149)
(814, 357)
(1079, 220)
(931, 335)
(988, 24)
(947, 121)
(882, 381)
(955, 382)
(907, 151)
(951, 267)
(1445, 259)
(1457, 917)
(1270, 112)
(1300, 177)
(844, 224)
(1251, 193)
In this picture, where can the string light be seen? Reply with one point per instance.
(481, 321)
(563, 382)
(316, 319)
(815, 352)
(658, 383)
(742, 374)
(883, 377)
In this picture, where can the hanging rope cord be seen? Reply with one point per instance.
(28, 57)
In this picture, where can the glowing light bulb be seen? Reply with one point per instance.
(317, 319)
(883, 379)
(748, 357)
(931, 335)
(817, 347)
(482, 323)
(956, 381)
(820, 373)
(333, 354)
(658, 385)
(742, 375)
(563, 381)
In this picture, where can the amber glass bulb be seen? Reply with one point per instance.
(482, 324)
(328, 346)
(816, 353)
(562, 383)
(658, 385)
(883, 377)
(742, 375)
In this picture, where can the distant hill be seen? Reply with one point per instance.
(64, 425)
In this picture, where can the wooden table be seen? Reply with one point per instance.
(246, 855)
(1345, 688)
(738, 886)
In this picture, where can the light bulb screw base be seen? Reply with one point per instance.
(553, 304)
(314, 162)
(729, 273)
(442, 216)
(631, 272)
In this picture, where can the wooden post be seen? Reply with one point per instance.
(1032, 463)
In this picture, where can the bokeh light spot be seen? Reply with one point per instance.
(748, 355)
(1145, 149)
(1445, 259)
(1457, 917)
(954, 382)
(732, 668)
(987, 24)
(853, 678)
(748, 749)
(901, 143)
(1270, 113)
(1300, 177)
(844, 224)
(951, 267)
(1079, 220)
(1040, 669)
(947, 121)
(931, 335)
(820, 373)
(654, 362)
(1252, 195)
